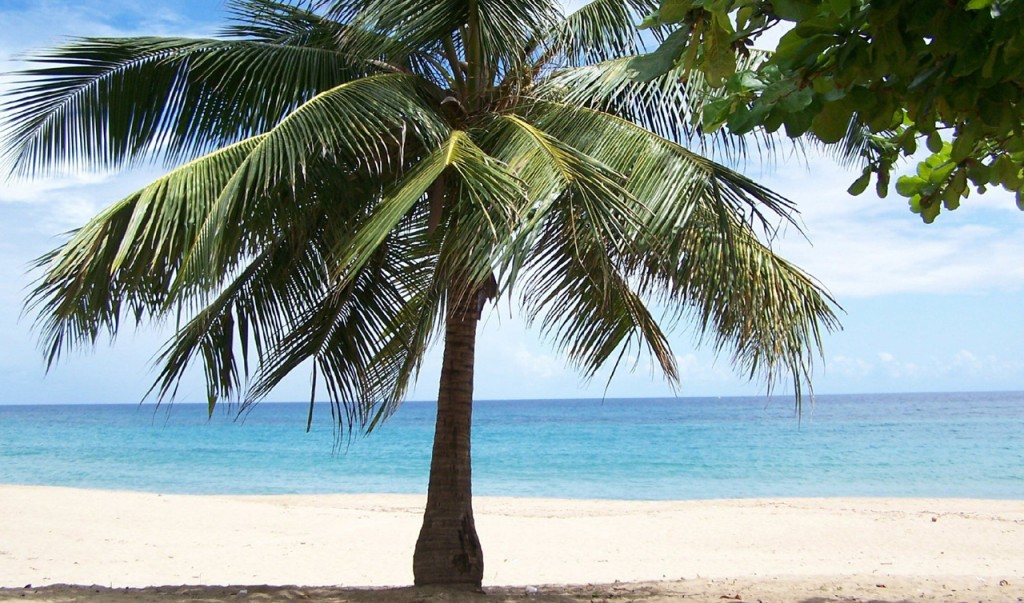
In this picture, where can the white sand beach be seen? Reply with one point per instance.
(861, 549)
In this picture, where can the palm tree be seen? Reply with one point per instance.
(356, 178)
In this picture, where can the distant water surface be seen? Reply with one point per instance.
(900, 445)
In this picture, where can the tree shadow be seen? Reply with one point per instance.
(833, 600)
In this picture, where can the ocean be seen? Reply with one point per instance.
(943, 445)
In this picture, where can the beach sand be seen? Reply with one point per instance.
(806, 550)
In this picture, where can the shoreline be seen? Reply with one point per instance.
(117, 539)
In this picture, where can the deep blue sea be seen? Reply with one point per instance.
(899, 445)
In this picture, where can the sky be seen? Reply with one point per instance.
(925, 307)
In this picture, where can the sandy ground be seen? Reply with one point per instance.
(800, 550)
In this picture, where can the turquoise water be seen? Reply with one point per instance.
(928, 445)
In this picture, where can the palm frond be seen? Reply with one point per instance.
(107, 102)
(362, 128)
(564, 257)
(764, 309)
(669, 105)
(258, 306)
(744, 298)
(854, 150)
(658, 170)
(509, 28)
(550, 169)
(362, 166)
(481, 211)
(581, 296)
(506, 30)
(123, 261)
(388, 26)
(286, 302)
(143, 243)
(390, 278)
(601, 30)
(283, 23)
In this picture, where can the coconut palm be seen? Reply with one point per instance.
(358, 178)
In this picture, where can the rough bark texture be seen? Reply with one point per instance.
(448, 550)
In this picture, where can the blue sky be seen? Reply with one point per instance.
(927, 308)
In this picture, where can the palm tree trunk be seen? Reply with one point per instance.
(448, 550)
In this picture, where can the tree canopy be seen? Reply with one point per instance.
(353, 180)
(894, 75)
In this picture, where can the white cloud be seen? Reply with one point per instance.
(899, 369)
(691, 367)
(940, 368)
(538, 366)
(44, 24)
(966, 362)
(70, 213)
(63, 203)
(41, 25)
(866, 247)
(844, 366)
(44, 190)
(967, 357)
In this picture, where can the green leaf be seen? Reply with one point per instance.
(715, 113)
(841, 8)
(934, 142)
(959, 181)
(674, 11)
(651, 20)
(744, 119)
(833, 122)
(798, 100)
(793, 10)
(719, 60)
(883, 118)
(978, 173)
(825, 85)
(860, 184)
(1009, 172)
(951, 198)
(924, 170)
(963, 147)
(930, 211)
(796, 52)
(744, 81)
(908, 142)
(656, 64)
(882, 185)
(863, 99)
(798, 123)
(773, 121)
(908, 186)
(941, 173)
(993, 113)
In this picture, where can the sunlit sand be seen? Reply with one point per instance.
(788, 549)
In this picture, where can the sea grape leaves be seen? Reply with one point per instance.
(941, 75)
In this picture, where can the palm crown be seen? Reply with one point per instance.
(358, 177)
